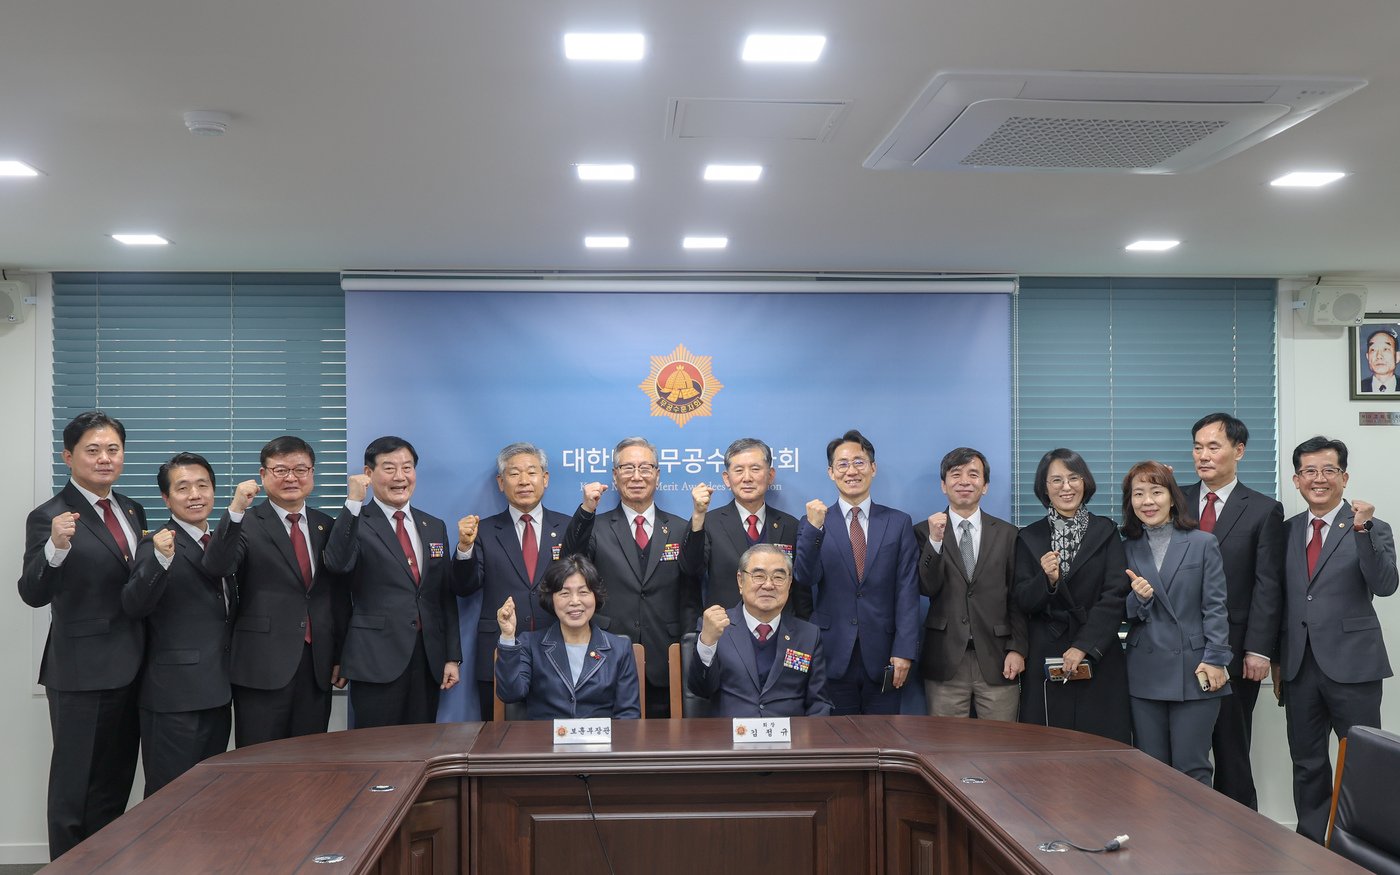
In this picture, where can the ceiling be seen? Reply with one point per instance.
(434, 135)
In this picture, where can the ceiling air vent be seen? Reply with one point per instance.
(1096, 122)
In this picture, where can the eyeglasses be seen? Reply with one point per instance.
(856, 465)
(281, 471)
(646, 469)
(1059, 482)
(1328, 472)
(761, 577)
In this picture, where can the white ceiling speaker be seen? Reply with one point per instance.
(12, 302)
(1335, 304)
(1007, 120)
(207, 124)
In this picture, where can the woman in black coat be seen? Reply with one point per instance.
(1071, 579)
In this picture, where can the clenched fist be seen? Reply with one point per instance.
(937, 525)
(466, 531)
(1364, 510)
(243, 495)
(1050, 564)
(816, 513)
(164, 541)
(1140, 585)
(357, 487)
(592, 492)
(64, 527)
(716, 620)
(505, 618)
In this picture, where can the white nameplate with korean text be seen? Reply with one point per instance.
(586, 730)
(762, 730)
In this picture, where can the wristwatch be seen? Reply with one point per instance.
(1366, 526)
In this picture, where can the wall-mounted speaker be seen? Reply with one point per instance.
(12, 302)
(1336, 304)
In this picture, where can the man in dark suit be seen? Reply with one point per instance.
(292, 610)
(1249, 527)
(1338, 558)
(753, 660)
(185, 694)
(510, 553)
(77, 556)
(863, 571)
(637, 547)
(403, 646)
(1380, 358)
(974, 640)
(717, 538)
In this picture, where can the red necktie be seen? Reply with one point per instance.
(204, 540)
(303, 556)
(1208, 515)
(642, 539)
(763, 630)
(1315, 545)
(858, 543)
(115, 527)
(753, 528)
(529, 548)
(406, 544)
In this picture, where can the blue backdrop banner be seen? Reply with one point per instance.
(461, 375)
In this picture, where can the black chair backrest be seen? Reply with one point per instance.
(691, 704)
(1366, 829)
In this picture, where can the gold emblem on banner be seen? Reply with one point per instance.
(680, 385)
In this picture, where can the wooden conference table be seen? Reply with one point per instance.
(847, 795)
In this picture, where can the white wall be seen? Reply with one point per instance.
(1313, 375)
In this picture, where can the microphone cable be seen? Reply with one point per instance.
(593, 815)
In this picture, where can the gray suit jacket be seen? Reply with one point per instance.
(1333, 609)
(1183, 624)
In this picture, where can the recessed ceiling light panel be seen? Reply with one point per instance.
(604, 46)
(761, 48)
(733, 172)
(140, 239)
(1152, 245)
(603, 242)
(1306, 179)
(705, 242)
(16, 168)
(606, 172)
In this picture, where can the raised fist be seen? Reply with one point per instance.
(243, 495)
(816, 512)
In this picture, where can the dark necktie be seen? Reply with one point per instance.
(965, 547)
(115, 527)
(763, 630)
(529, 548)
(1208, 515)
(1315, 545)
(303, 556)
(858, 543)
(406, 544)
(642, 539)
(753, 528)
(204, 540)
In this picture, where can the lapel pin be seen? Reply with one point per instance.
(594, 654)
(553, 535)
(1340, 524)
(787, 637)
(320, 528)
(665, 530)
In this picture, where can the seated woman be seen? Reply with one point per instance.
(1179, 634)
(571, 669)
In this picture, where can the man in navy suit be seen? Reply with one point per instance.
(717, 538)
(77, 556)
(403, 645)
(752, 660)
(1249, 528)
(185, 693)
(292, 610)
(509, 553)
(863, 570)
(1338, 558)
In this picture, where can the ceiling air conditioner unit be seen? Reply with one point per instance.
(1002, 120)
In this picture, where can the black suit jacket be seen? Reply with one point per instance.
(653, 604)
(92, 644)
(976, 605)
(498, 569)
(1249, 529)
(273, 601)
(712, 554)
(188, 628)
(387, 605)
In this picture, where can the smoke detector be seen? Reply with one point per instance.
(207, 124)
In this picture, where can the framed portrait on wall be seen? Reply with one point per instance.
(1373, 353)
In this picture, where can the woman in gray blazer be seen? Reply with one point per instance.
(1179, 633)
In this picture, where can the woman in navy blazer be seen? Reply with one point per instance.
(571, 669)
(1179, 632)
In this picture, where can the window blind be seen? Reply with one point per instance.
(211, 363)
(1119, 370)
